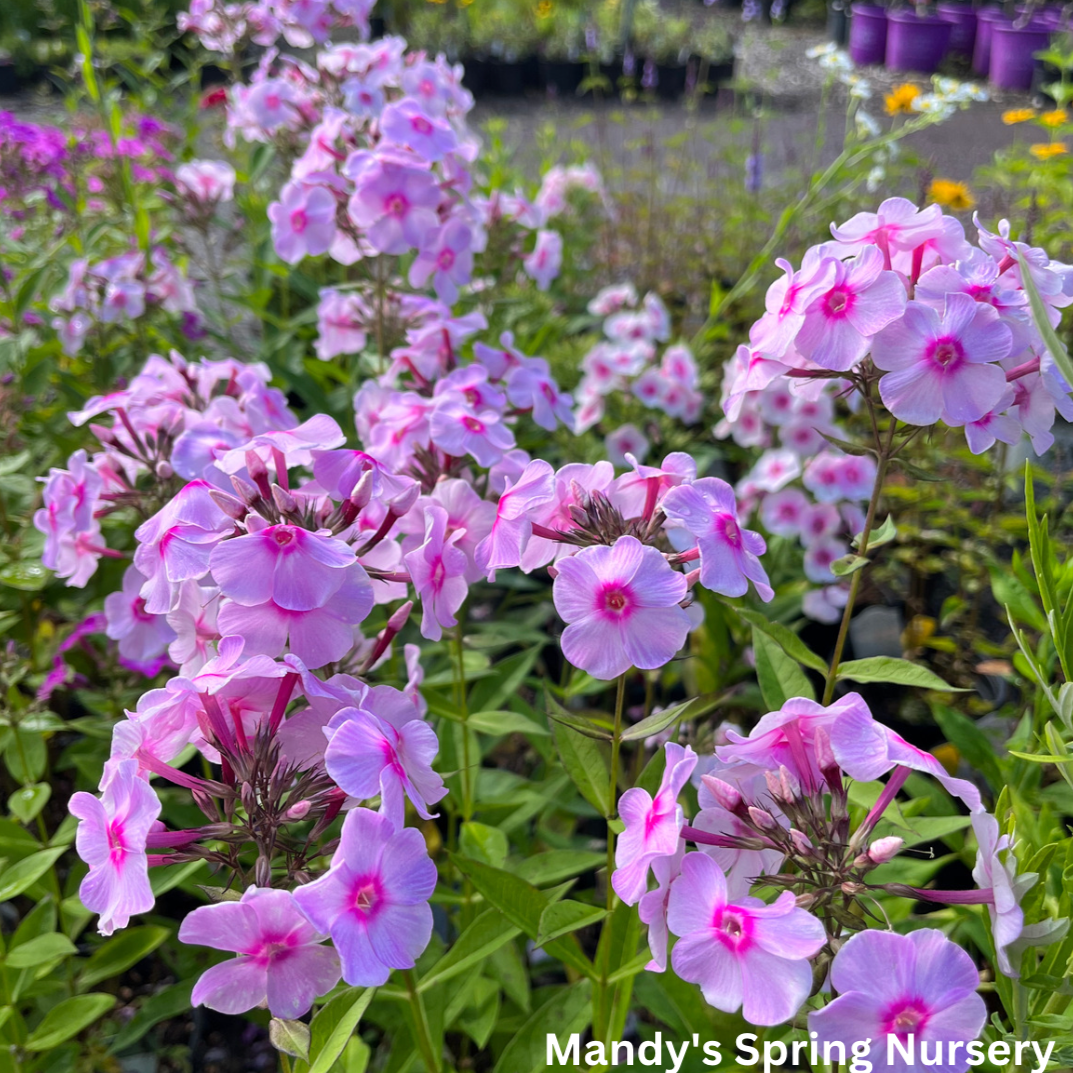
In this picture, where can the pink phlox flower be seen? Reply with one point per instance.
(111, 839)
(786, 301)
(942, 367)
(729, 554)
(459, 430)
(407, 123)
(613, 298)
(819, 555)
(373, 901)
(1049, 280)
(193, 619)
(625, 443)
(899, 226)
(512, 527)
(775, 469)
(499, 361)
(303, 221)
(783, 513)
(545, 261)
(271, 104)
(999, 876)
(679, 364)
(394, 202)
(281, 963)
(840, 322)
(142, 636)
(176, 544)
(825, 604)
(474, 384)
(621, 606)
(73, 540)
(445, 257)
(366, 756)
(295, 445)
(748, 371)
(342, 321)
(996, 425)
(469, 520)
(637, 494)
(532, 387)
(438, 571)
(652, 825)
(403, 424)
(744, 954)
(927, 989)
(821, 522)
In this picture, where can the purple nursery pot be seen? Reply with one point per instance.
(986, 18)
(1012, 49)
(867, 34)
(962, 19)
(916, 42)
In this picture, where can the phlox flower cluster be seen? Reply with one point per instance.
(120, 290)
(902, 300)
(773, 813)
(223, 27)
(628, 360)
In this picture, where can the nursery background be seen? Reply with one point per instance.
(527, 518)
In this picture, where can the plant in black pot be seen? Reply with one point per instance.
(562, 52)
(504, 35)
(438, 28)
(714, 58)
(663, 44)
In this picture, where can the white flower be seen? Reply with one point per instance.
(867, 127)
(837, 61)
(875, 178)
(821, 50)
(933, 104)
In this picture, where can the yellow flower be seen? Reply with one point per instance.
(901, 98)
(544, 9)
(1054, 119)
(951, 194)
(1018, 115)
(1046, 150)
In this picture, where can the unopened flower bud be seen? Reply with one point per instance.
(232, 507)
(805, 901)
(246, 491)
(286, 503)
(692, 578)
(725, 795)
(762, 818)
(884, 849)
(262, 872)
(298, 811)
(580, 517)
(400, 617)
(164, 469)
(255, 467)
(363, 491)
(801, 842)
(853, 888)
(403, 503)
(204, 802)
(248, 796)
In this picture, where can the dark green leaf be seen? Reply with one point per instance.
(787, 640)
(780, 677)
(484, 936)
(896, 671)
(334, 1025)
(690, 709)
(120, 952)
(562, 918)
(586, 763)
(67, 1020)
(23, 874)
(40, 951)
(568, 1010)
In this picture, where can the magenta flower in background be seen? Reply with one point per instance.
(943, 368)
(373, 901)
(394, 203)
(1007, 888)
(729, 554)
(531, 387)
(896, 985)
(544, 263)
(626, 442)
(342, 319)
(142, 636)
(111, 839)
(652, 825)
(296, 569)
(820, 555)
(621, 606)
(280, 961)
(367, 756)
(303, 221)
(784, 512)
(652, 908)
(206, 182)
(446, 257)
(458, 430)
(512, 528)
(406, 123)
(438, 571)
(744, 954)
(899, 226)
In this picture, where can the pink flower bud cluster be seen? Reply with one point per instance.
(902, 297)
(627, 359)
(776, 798)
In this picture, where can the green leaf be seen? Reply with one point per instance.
(498, 723)
(120, 952)
(915, 471)
(848, 446)
(883, 535)
(585, 761)
(786, 639)
(483, 937)
(780, 677)
(558, 864)
(334, 1025)
(562, 918)
(24, 804)
(164, 1005)
(522, 904)
(40, 951)
(25, 873)
(67, 1020)
(568, 1010)
(900, 672)
(290, 1037)
(849, 564)
(1043, 323)
(484, 843)
(690, 709)
(28, 576)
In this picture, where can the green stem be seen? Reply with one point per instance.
(433, 1063)
(612, 806)
(284, 1062)
(463, 709)
(885, 454)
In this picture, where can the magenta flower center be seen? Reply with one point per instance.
(905, 1017)
(728, 528)
(446, 259)
(367, 896)
(733, 928)
(299, 221)
(947, 353)
(615, 599)
(421, 125)
(117, 846)
(473, 424)
(283, 535)
(396, 205)
(839, 302)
